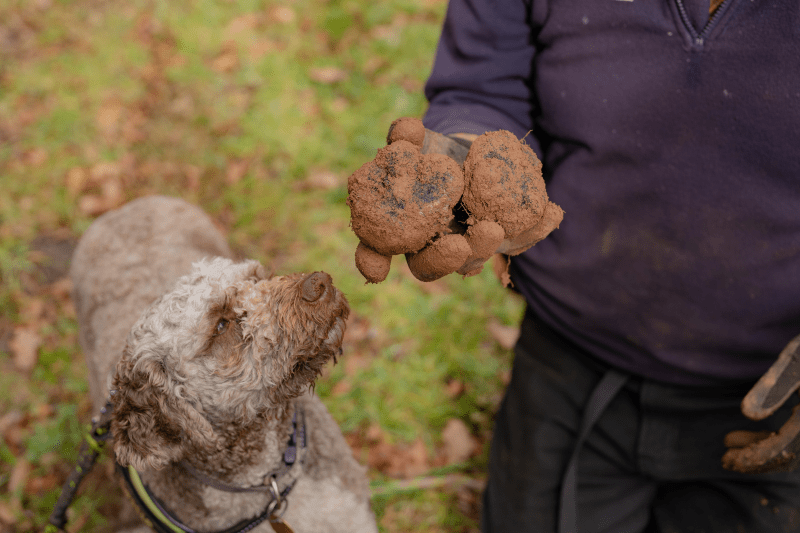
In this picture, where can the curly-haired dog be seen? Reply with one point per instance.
(210, 363)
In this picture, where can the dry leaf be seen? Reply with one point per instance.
(24, 347)
(228, 59)
(406, 462)
(6, 514)
(19, 475)
(32, 311)
(236, 171)
(193, 175)
(105, 170)
(327, 75)
(455, 388)
(36, 157)
(506, 336)
(342, 387)
(282, 14)
(112, 196)
(108, 118)
(458, 444)
(260, 48)
(324, 179)
(239, 25)
(76, 180)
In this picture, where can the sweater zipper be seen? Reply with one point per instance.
(699, 38)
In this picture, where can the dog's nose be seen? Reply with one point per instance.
(315, 285)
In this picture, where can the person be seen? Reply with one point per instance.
(668, 132)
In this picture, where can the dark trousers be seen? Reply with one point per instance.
(651, 462)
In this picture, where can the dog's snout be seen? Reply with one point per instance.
(314, 286)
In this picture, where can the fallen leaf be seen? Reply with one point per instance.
(342, 387)
(76, 180)
(324, 180)
(8, 420)
(32, 310)
(327, 75)
(6, 514)
(228, 59)
(108, 118)
(282, 14)
(24, 347)
(406, 462)
(92, 205)
(19, 475)
(105, 170)
(96, 204)
(236, 171)
(239, 25)
(374, 434)
(455, 388)
(40, 484)
(36, 157)
(458, 444)
(261, 48)
(193, 175)
(506, 336)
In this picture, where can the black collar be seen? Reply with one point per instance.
(156, 515)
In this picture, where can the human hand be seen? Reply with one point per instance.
(497, 205)
(764, 452)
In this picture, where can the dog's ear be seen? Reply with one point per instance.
(152, 426)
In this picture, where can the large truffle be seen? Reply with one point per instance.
(402, 199)
(503, 182)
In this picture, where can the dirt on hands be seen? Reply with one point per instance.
(444, 218)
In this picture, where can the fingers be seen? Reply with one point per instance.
(762, 452)
(774, 387)
(483, 238)
(551, 218)
(742, 438)
(440, 258)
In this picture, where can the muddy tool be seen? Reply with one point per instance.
(447, 206)
(761, 452)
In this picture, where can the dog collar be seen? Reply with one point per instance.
(157, 517)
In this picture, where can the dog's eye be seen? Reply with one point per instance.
(222, 325)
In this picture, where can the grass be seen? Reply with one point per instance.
(256, 110)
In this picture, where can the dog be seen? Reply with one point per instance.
(209, 365)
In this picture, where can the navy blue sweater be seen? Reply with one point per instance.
(671, 139)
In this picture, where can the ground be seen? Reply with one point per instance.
(257, 111)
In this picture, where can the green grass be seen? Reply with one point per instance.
(234, 106)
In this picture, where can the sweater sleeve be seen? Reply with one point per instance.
(481, 78)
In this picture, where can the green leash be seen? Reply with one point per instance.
(91, 448)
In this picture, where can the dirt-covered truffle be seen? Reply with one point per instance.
(372, 265)
(402, 199)
(406, 129)
(503, 182)
(440, 258)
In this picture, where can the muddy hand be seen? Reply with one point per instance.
(760, 452)
(481, 239)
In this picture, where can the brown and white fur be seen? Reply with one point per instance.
(208, 358)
